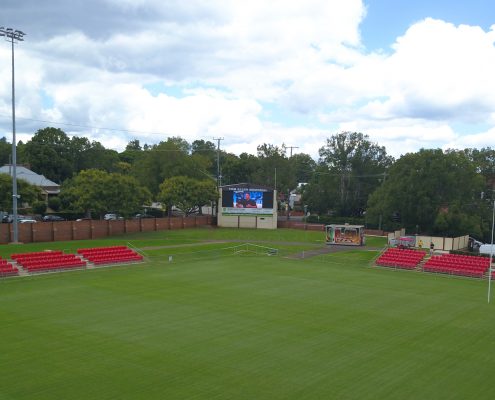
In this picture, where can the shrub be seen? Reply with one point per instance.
(54, 203)
(39, 207)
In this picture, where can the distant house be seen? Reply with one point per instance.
(48, 187)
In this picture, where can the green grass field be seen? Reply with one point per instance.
(241, 326)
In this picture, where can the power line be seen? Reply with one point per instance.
(87, 126)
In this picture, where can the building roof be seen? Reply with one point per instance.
(31, 177)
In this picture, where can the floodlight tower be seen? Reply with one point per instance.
(13, 36)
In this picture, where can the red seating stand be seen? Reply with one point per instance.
(110, 255)
(7, 269)
(400, 258)
(455, 264)
(44, 261)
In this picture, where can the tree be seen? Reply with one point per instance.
(54, 203)
(49, 153)
(132, 152)
(320, 194)
(271, 158)
(356, 165)
(28, 193)
(206, 147)
(206, 192)
(88, 155)
(165, 160)
(238, 169)
(5, 151)
(39, 207)
(187, 194)
(455, 221)
(99, 192)
(484, 162)
(430, 190)
(205, 153)
(302, 167)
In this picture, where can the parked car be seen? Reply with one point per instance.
(140, 216)
(10, 218)
(27, 221)
(52, 218)
(112, 217)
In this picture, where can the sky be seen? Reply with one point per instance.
(410, 75)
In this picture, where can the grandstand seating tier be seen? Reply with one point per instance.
(110, 255)
(43, 261)
(400, 258)
(48, 261)
(454, 264)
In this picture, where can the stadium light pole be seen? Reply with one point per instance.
(491, 255)
(13, 36)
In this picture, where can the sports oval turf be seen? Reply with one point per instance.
(240, 327)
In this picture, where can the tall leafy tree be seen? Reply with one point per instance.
(132, 151)
(49, 153)
(204, 153)
(165, 160)
(97, 191)
(320, 194)
(28, 193)
(430, 190)
(302, 166)
(187, 194)
(5, 151)
(238, 169)
(274, 164)
(356, 164)
(484, 162)
(88, 155)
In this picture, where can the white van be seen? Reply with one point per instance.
(112, 217)
(485, 249)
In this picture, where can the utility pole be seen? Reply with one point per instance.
(490, 269)
(287, 205)
(292, 147)
(13, 36)
(381, 216)
(219, 177)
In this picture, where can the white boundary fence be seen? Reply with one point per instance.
(440, 243)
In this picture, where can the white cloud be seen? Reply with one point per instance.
(229, 58)
(402, 136)
(442, 71)
(153, 118)
(477, 140)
